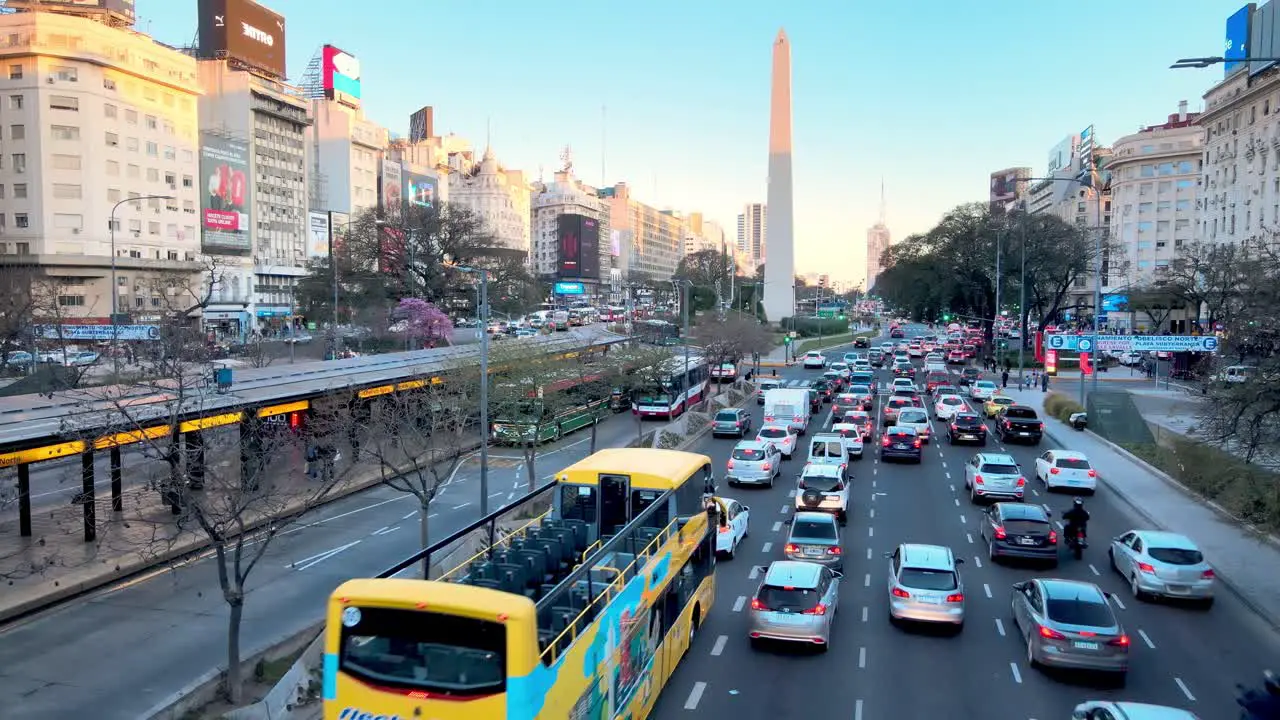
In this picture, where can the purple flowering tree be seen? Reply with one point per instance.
(425, 324)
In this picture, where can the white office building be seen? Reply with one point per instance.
(565, 195)
(501, 197)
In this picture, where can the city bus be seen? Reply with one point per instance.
(584, 612)
(554, 409)
(657, 332)
(678, 387)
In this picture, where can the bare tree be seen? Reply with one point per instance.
(731, 338)
(17, 306)
(643, 370)
(421, 437)
(527, 399)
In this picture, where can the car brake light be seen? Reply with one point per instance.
(1054, 471)
(1093, 473)
(916, 443)
(900, 593)
(768, 418)
(1022, 482)
(1146, 568)
(1000, 534)
(818, 609)
(955, 428)
(730, 463)
(885, 442)
(724, 528)
(955, 598)
(1207, 575)
(757, 605)
(834, 550)
(1041, 427)
(1051, 634)
(977, 480)
(1122, 641)
(1053, 537)
(791, 548)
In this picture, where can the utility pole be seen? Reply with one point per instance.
(1022, 308)
(484, 391)
(995, 335)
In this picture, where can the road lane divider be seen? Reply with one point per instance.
(862, 658)
(1185, 691)
(1000, 627)
(718, 648)
(695, 696)
(1146, 639)
(766, 548)
(1017, 676)
(740, 603)
(318, 558)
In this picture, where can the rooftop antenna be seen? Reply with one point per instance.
(882, 204)
(566, 159)
(604, 137)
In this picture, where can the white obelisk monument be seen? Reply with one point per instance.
(779, 240)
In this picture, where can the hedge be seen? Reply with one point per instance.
(1061, 407)
(813, 327)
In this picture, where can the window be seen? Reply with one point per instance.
(113, 168)
(66, 162)
(113, 140)
(1148, 170)
(1164, 186)
(188, 156)
(15, 72)
(153, 228)
(170, 179)
(153, 175)
(108, 84)
(131, 117)
(63, 72)
(1186, 166)
(153, 123)
(19, 191)
(153, 150)
(65, 132)
(1163, 206)
(1144, 189)
(64, 102)
(71, 300)
(17, 132)
(1144, 227)
(109, 110)
(1183, 205)
(67, 191)
(187, 181)
(1, 192)
(1166, 168)
(170, 153)
(1162, 227)
(67, 221)
(135, 226)
(188, 206)
(1144, 208)
(133, 171)
(1184, 184)
(20, 220)
(19, 162)
(168, 127)
(131, 144)
(114, 195)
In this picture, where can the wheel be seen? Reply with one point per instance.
(991, 552)
(1120, 680)
(1135, 588)
(1031, 653)
(786, 456)
(733, 549)
(1111, 559)
(842, 517)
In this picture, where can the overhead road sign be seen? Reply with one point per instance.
(1133, 343)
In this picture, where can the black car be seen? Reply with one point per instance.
(897, 334)
(904, 370)
(1019, 530)
(822, 389)
(967, 427)
(900, 443)
(861, 342)
(1021, 423)
(969, 376)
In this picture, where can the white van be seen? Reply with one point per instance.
(789, 406)
(1236, 374)
(829, 449)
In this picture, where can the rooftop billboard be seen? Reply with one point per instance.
(1236, 46)
(339, 73)
(245, 31)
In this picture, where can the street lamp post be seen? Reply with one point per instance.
(483, 319)
(115, 289)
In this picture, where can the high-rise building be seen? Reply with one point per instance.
(878, 241)
(501, 197)
(566, 195)
(346, 152)
(1009, 189)
(1241, 121)
(270, 119)
(1154, 181)
(780, 265)
(753, 224)
(703, 234)
(650, 241)
(95, 116)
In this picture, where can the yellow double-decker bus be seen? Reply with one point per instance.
(582, 613)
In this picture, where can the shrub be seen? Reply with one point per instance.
(1243, 490)
(1061, 407)
(813, 327)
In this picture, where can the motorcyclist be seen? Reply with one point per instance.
(1077, 518)
(1262, 704)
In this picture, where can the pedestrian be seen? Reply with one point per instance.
(1004, 379)
(1044, 382)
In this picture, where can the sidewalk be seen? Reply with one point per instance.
(1244, 561)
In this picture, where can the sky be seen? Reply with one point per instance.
(671, 96)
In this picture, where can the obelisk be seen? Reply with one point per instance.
(779, 239)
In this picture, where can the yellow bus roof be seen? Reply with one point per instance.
(454, 598)
(648, 468)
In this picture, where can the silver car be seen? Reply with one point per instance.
(925, 585)
(753, 463)
(1070, 624)
(994, 476)
(1164, 564)
(731, 421)
(1107, 710)
(815, 538)
(796, 602)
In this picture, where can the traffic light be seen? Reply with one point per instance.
(786, 340)
(946, 317)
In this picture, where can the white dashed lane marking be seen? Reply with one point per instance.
(741, 602)
(1146, 639)
(695, 696)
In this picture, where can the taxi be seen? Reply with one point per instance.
(995, 404)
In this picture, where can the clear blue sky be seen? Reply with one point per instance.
(932, 95)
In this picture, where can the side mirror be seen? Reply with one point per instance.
(837, 575)
(959, 561)
(747, 508)
(888, 556)
(1020, 586)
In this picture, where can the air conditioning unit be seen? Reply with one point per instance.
(75, 231)
(50, 80)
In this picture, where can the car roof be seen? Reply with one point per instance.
(996, 458)
(950, 396)
(913, 409)
(774, 426)
(751, 445)
(1145, 711)
(792, 573)
(1069, 454)
(1172, 541)
(926, 557)
(735, 411)
(1059, 589)
(1021, 511)
(900, 430)
(968, 414)
(823, 468)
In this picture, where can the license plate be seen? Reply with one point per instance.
(1026, 541)
(1085, 645)
(1179, 589)
(813, 552)
(930, 601)
(1024, 433)
(900, 447)
(788, 619)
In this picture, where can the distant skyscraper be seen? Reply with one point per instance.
(877, 243)
(779, 277)
(752, 225)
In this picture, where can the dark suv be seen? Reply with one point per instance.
(861, 342)
(967, 427)
(969, 375)
(1019, 530)
(900, 443)
(876, 357)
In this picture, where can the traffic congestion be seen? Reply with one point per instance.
(917, 547)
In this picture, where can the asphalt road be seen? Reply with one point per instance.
(1184, 657)
(118, 652)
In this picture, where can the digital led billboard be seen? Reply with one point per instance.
(244, 31)
(339, 73)
(420, 190)
(579, 247)
(1236, 45)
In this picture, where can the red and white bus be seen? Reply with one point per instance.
(681, 386)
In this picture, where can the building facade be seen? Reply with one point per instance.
(500, 197)
(1240, 162)
(878, 241)
(1155, 183)
(650, 241)
(753, 224)
(703, 234)
(256, 288)
(93, 117)
(565, 195)
(346, 158)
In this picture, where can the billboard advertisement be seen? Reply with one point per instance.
(1236, 45)
(590, 263)
(420, 125)
(1086, 155)
(122, 9)
(392, 195)
(579, 247)
(1063, 153)
(1264, 36)
(339, 73)
(245, 31)
(420, 190)
(224, 187)
(615, 243)
(318, 229)
(1006, 185)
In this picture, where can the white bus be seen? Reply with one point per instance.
(681, 386)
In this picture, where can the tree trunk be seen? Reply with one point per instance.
(595, 423)
(235, 681)
(424, 536)
(531, 464)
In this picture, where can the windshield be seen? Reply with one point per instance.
(778, 599)
(927, 579)
(986, 384)
(1020, 413)
(858, 390)
(901, 437)
(1079, 612)
(999, 469)
(422, 650)
(824, 449)
(1027, 527)
(912, 416)
(821, 483)
(899, 402)
(953, 401)
(857, 417)
(813, 530)
(728, 415)
(1176, 556)
(1073, 463)
(773, 433)
(748, 454)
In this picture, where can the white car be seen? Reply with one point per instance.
(823, 488)
(903, 384)
(1066, 469)
(842, 368)
(982, 390)
(934, 357)
(887, 348)
(814, 359)
(862, 365)
(850, 358)
(915, 351)
(934, 366)
(851, 436)
(782, 437)
(734, 521)
(1100, 709)
(947, 406)
(916, 419)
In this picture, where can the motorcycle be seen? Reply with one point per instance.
(1076, 542)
